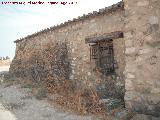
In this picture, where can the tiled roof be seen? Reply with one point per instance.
(115, 7)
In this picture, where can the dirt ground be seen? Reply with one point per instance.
(18, 103)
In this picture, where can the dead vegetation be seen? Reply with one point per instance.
(71, 95)
(82, 99)
(47, 72)
(41, 93)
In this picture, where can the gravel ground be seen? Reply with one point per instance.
(5, 114)
(17, 103)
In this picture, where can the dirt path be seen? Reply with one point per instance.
(4, 68)
(5, 114)
(17, 103)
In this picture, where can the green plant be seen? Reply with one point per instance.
(27, 85)
(8, 77)
(41, 93)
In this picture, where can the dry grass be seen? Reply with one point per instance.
(41, 93)
(38, 89)
(72, 96)
(82, 99)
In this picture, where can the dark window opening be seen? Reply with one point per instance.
(103, 54)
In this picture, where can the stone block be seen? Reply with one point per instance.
(73, 50)
(130, 67)
(150, 110)
(71, 77)
(157, 83)
(128, 43)
(139, 59)
(130, 95)
(129, 85)
(89, 73)
(144, 51)
(128, 104)
(143, 3)
(130, 76)
(153, 98)
(153, 20)
(154, 44)
(128, 35)
(124, 114)
(153, 28)
(155, 91)
(141, 117)
(130, 51)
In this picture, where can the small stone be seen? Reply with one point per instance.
(141, 117)
(128, 35)
(153, 20)
(130, 50)
(148, 38)
(155, 91)
(153, 28)
(92, 21)
(73, 71)
(130, 76)
(154, 99)
(119, 84)
(89, 73)
(71, 77)
(130, 95)
(124, 114)
(72, 50)
(139, 99)
(129, 85)
(157, 84)
(139, 59)
(74, 58)
(73, 64)
(130, 68)
(104, 100)
(128, 104)
(144, 51)
(1, 80)
(128, 43)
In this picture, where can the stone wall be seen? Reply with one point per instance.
(35, 54)
(61, 53)
(142, 55)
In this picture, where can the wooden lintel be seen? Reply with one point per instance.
(108, 36)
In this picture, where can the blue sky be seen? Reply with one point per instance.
(18, 21)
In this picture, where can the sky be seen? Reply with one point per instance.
(17, 21)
